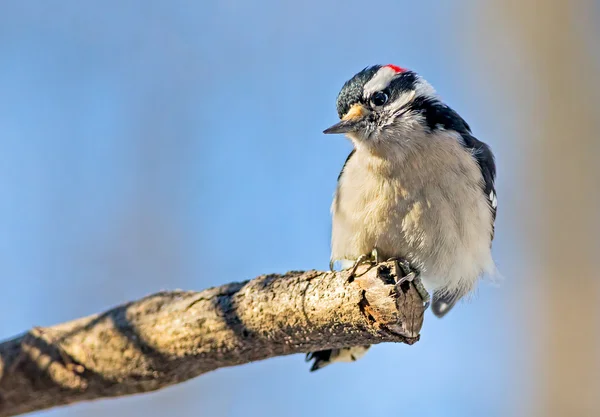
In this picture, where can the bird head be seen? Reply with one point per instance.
(380, 103)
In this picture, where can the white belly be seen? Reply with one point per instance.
(436, 217)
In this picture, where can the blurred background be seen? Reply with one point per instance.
(143, 143)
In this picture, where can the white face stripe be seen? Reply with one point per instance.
(384, 77)
(380, 80)
(400, 102)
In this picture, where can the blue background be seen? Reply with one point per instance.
(145, 144)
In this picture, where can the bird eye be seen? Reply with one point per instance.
(379, 99)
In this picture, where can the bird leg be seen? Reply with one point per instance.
(412, 275)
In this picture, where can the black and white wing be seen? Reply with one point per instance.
(485, 158)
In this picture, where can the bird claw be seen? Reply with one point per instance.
(412, 275)
(361, 260)
(405, 266)
(372, 259)
(423, 293)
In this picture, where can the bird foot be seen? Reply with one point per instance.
(412, 275)
(405, 266)
(371, 258)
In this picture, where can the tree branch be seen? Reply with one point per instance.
(169, 337)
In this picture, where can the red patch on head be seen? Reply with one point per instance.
(395, 68)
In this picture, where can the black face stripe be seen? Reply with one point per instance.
(401, 84)
(437, 115)
(352, 90)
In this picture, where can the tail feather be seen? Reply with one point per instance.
(443, 302)
(326, 357)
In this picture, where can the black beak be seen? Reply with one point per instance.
(350, 120)
(343, 126)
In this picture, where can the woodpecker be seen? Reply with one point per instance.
(417, 186)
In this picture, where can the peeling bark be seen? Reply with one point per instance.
(170, 337)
